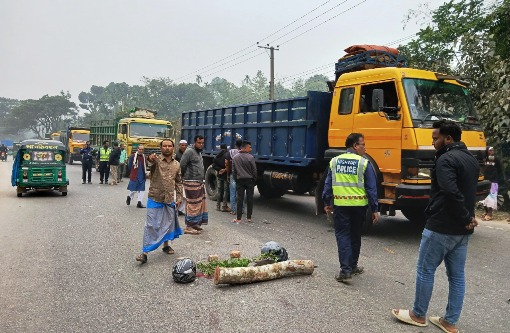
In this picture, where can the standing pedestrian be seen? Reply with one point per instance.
(450, 223)
(222, 180)
(192, 169)
(349, 188)
(87, 153)
(104, 157)
(183, 144)
(165, 194)
(245, 174)
(492, 171)
(232, 186)
(137, 176)
(114, 163)
(122, 162)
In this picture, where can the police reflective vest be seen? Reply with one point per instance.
(348, 180)
(104, 154)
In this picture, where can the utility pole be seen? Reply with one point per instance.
(271, 58)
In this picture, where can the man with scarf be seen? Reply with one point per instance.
(192, 169)
(165, 195)
(136, 185)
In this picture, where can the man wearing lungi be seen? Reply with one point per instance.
(136, 167)
(162, 223)
(192, 168)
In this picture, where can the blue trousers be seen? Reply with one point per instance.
(434, 249)
(348, 223)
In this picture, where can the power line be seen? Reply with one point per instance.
(318, 25)
(252, 45)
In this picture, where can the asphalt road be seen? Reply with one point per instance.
(67, 265)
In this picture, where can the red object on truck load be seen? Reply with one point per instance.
(354, 49)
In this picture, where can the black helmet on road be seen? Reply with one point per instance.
(275, 249)
(184, 271)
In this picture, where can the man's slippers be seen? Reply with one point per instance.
(436, 321)
(404, 316)
(191, 231)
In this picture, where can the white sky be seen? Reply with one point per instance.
(51, 45)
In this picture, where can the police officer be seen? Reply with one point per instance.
(87, 154)
(104, 157)
(349, 188)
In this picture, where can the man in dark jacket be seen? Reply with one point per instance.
(245, 174)
(87, 154)
(451, 221)
(114, 163)
(221, 176)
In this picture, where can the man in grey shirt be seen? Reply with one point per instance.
(245, 174)
(192, 169)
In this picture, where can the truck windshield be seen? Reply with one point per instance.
(429, 101)
(147, 130)
(81, 137)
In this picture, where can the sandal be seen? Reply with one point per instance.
(232, 212)
(197, 228)
(191, 231)
(487, 218)
(142, 257)
(236, 221)
(249, 220)
(168, 250)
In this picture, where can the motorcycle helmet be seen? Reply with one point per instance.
(184, 271)
(275, 249)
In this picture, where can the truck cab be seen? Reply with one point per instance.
(394, 108)
(74, 139)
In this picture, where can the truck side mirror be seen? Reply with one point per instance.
(377, 99)
(123, 129)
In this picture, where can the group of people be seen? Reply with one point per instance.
(112, 162)
(350, 189)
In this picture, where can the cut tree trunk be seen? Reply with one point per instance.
(240, 275)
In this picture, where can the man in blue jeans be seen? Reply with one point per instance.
(228, 163)
(450, 223)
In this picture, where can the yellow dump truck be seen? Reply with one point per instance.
(294, 140)
(140, 128)
(74, 139)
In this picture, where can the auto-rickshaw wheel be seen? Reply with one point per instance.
(64, 194)
(19, 195)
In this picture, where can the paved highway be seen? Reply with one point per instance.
(67, 265)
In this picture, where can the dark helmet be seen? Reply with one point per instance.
(275, 249)
(184, 271)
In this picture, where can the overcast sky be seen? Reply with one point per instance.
(51, 45)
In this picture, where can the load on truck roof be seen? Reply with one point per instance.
(142, 113)
(361, 57)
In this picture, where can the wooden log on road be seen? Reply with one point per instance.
(241, 275)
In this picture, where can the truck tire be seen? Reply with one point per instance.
(415, 215)
(269, 192)
(211, 184)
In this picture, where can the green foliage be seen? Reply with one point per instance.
(45, 115)
(208, 267)
(470, 40)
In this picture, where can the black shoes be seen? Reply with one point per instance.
(139, 205)
(128, 200)
(100, 182)
(342, 277)
(142, 257)
(83, 182)
(168, 249)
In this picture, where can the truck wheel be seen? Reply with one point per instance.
(415, 215)
(64, 194)
(269, 192)
(19, 195)
(211, 184)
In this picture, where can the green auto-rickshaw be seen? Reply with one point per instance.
(39, 165)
